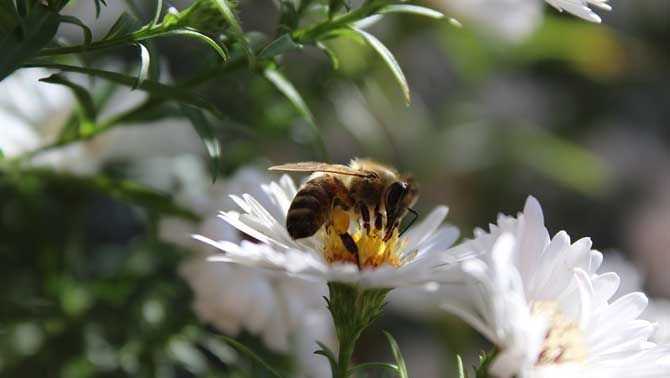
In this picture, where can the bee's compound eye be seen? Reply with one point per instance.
(395, 193)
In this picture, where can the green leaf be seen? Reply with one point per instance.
(124, 25)
(208, 135)
(88, 35)
(28, 38)
(231, 18)
(414, 9)
(156, 89)
(368, 365)
(145, 61)
(220, 49)
(400, 362)
(287, 89)
(389, 59)
(461, 370)
(335, 5)
(330, 53)
(279, 46)
(157, 12)
(97, 7)
(83, 97)
(249, 353)
(326, 352)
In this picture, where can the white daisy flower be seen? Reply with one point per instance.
(287, 314)
(415, 258)
(32, 114)
(658, 312)
(547, 310)
(581, 8)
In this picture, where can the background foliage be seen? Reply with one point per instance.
(574, 113)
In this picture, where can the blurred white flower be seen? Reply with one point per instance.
(420, 253)
(511, 20)
(658, 312)
(32, 114)
(288, 314)
(514, 20)
(541, 302)
(581, 8)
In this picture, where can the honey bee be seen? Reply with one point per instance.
(376, 194)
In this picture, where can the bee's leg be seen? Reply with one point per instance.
(379, 219)
(340, 224)
(351, 246)
(365, 215)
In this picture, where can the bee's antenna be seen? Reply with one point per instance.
(416, 215)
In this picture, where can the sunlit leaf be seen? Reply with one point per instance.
(400, 362)
(88, 35)
(157, 12)
(145, 61)
(389, 59)
(461, 370)
(208, 135)
(413, 9)
(330, 53)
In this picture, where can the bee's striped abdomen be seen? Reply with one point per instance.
(310, 207)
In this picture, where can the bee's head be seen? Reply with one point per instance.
(399, 196)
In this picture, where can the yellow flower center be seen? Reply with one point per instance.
(372, 250)
(564, 342)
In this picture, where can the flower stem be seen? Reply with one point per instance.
(353, 310)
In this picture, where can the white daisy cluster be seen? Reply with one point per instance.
(514, 20)
(287, 314)
(540, 300)
(546, 308)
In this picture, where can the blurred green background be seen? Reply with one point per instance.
(573, 113)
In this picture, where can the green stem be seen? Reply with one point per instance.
(308, 35)
(353, 310)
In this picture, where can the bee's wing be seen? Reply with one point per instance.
(313, 166)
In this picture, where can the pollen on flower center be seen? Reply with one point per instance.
(564, 341)
(371, 250)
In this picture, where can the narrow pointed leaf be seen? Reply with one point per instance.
(389, 59)
(400, 362)
(218, 48)
(83, 96)
(461, 370)
(370, 365)
(249, 353)
(414, 9)
(157, 12)
(326, 352)
(330, 53)
(287, 89)
(145, 61)
(279, 46)
(88, 35)
(208, 135)
(98, 7)
(124, 25)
